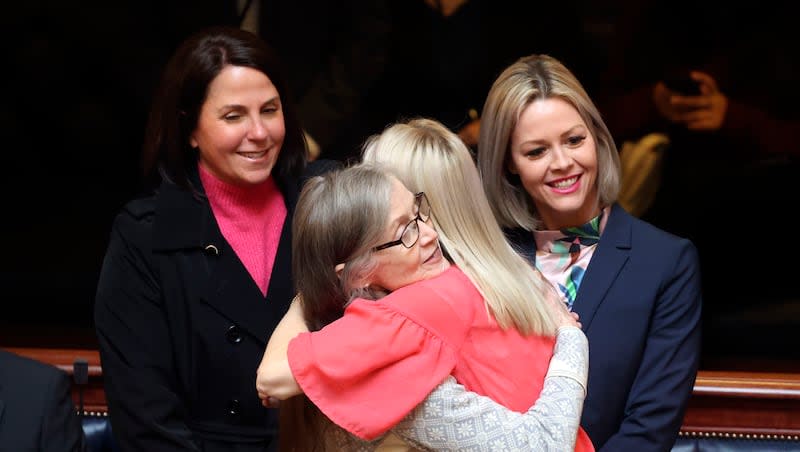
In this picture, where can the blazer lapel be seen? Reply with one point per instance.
(232, 291)
(228, 287)
(226, 283)
(610, 256)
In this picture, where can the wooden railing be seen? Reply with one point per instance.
(724, 404)
(759, 405)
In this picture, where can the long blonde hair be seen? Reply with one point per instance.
(426, 156)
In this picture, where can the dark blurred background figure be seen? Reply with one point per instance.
(721, 84)
(444, 55)
(36, 409)
(334, 53)
(359, 66)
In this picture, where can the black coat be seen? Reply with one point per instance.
(182, 328)
(36, 411)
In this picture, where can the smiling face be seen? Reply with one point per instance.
(240, 129)
(398, 266)
(555, 157)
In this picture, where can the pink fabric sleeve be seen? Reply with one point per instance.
(370, 368)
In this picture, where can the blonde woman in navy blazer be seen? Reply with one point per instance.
(551, 171)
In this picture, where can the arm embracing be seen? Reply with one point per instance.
(274, 377)
(451, 418)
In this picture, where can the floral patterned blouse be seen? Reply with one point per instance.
(563, 255)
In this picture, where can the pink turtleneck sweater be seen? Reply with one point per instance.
(250, 218)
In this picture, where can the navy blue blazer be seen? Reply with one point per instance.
(639, 303)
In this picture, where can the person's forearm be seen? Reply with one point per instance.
(570, 356)
(274, 376)
(551, 424)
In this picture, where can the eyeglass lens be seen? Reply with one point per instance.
(411, 231)
(410, 234)
(423, 207)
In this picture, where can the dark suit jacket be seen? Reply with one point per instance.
(639, 303)
(36, 411)
(182, 328)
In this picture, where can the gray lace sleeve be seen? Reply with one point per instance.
(452, 418)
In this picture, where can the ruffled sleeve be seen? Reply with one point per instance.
(370, 368)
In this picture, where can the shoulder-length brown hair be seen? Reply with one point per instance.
(176, 105)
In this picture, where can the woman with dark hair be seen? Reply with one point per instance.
(197, 273)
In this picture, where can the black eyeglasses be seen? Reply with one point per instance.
(410, 233)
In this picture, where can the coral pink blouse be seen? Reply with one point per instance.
(369, 369)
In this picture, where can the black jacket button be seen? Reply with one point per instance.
(233, 334)
(211, 250)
